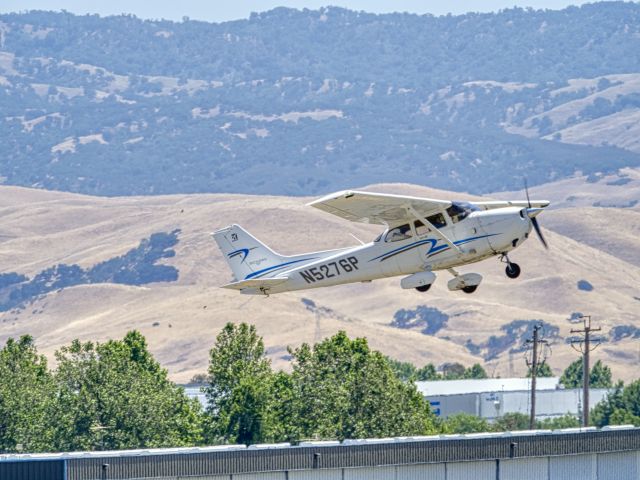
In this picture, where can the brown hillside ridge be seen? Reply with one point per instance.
(41, 229)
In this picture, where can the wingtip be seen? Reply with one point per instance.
(330, 196)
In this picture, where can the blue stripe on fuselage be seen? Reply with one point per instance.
(433, 249)
(264, 271)
(406, 247)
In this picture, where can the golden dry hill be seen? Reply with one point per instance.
(181, 319)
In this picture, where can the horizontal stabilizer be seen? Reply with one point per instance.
(260, 285)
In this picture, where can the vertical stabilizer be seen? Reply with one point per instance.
(245, 254)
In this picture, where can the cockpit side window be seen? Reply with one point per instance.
(397, 234)
(437, 220)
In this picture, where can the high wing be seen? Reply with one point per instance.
(508, 203)
(378, 208)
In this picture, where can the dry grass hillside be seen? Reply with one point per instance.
(181, 319)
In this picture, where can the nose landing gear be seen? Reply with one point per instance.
(513, 269)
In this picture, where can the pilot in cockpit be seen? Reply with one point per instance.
(399, 233)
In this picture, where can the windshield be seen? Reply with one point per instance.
(460, 210)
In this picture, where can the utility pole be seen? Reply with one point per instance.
(585, 348)
(533, 366)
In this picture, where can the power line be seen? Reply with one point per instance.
(585, 348)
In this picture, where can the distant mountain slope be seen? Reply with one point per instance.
(182, 317)
(424, 51)
(305, 102)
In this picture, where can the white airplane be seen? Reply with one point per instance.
(422, 236)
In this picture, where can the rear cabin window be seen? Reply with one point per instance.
(421, 228)
(399, 233)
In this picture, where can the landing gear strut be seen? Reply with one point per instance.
(513, 269)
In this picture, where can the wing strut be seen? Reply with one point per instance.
(435, 230)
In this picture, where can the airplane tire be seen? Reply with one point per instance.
(512, 270)
(423, 288)
(470, 289)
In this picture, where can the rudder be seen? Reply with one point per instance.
(244, 253)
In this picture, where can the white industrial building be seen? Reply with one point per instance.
(491, 398)
(197, 393)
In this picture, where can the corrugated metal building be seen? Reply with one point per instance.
(493, 397)
(484, 385)
(607, 454)
(197, 393)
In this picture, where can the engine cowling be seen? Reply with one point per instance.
(420, 279)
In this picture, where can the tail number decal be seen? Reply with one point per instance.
(330, 270)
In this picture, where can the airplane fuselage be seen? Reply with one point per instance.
(481, 234)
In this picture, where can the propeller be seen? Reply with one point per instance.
(531, 213)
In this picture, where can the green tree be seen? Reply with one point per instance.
(544, 370)
(464, 423)
(566, 421)
(114, 395)
(346, 390)
(282, 424)
(405, 371)
(428, 372)
(511, 421)
(475, 371)
(599, 376)
(453, 371)
(239, 387)
(198, 379)
(26, 393)
(621, 406)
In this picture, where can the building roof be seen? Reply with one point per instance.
(457, 387)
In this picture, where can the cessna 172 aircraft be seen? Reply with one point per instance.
(422, 236)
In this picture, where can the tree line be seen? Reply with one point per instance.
(115, 395)
(599, 375)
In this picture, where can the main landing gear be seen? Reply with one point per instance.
(468, 282)
(512, 269)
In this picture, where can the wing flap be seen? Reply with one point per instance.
(256, 284)
(508, 203)
(377, 208)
